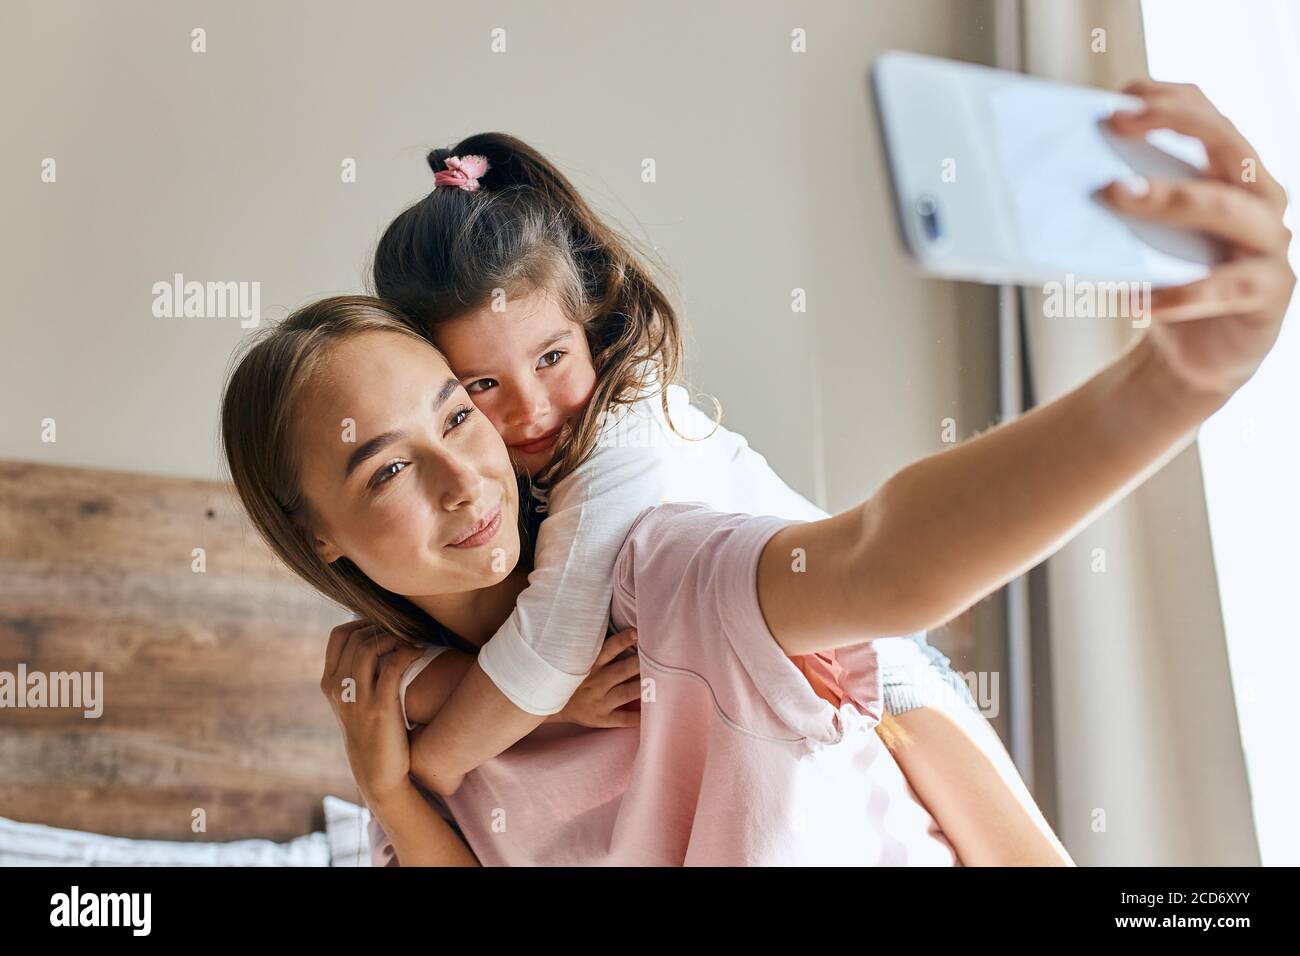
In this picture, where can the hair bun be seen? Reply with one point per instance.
(437, 159)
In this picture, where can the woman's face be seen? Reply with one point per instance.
(402, 475)
(528, 368)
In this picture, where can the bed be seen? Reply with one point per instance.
(213, 727)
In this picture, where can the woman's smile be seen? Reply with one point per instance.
(481, 532)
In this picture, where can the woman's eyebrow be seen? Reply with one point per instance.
(368, 449)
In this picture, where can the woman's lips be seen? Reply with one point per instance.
(484, 532)
(539, 444)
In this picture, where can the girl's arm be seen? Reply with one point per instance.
(531, 667)
(949, 529)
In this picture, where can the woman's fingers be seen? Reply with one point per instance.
(371, 644)
(337, 641)
(1235, 288)
(391, 669)
(1204, 205)
(1183, 108)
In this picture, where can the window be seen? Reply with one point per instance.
(1246, 57)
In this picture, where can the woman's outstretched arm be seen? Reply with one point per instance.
(950, 529)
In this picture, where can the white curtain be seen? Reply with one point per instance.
(1142, 751)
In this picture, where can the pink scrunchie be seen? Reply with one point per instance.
(462, 171)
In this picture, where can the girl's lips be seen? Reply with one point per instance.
(539, 444)
(485, 534)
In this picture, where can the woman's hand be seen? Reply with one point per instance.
(363, 667)
(611, 684)
(1214, 333)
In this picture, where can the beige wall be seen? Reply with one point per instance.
(225, 166)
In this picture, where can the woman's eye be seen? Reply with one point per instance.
(458, 418)
(480, 385)
(388, 472)
(555, 352)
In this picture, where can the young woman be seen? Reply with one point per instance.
(1067, 459)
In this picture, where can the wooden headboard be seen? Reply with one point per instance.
(211, 695)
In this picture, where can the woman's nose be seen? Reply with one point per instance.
(456, 482)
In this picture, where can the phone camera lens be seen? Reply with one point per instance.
(928, 210)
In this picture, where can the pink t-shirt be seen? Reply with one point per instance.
(737, 762)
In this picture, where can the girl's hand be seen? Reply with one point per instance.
(363, 667)
(1214, 333)
(600, 700)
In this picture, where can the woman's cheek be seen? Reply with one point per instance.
(394, 543)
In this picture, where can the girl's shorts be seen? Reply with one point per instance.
(914, 674)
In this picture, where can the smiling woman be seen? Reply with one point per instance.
(416, 516)
(339, 503)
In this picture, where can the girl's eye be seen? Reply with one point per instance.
(388, 472)
(480, 385)
(556, 352)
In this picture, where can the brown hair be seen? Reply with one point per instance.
(257, 415)
(526, 229)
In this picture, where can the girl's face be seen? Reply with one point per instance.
(402, 475)
(527, 367)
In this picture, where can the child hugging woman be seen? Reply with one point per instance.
(756, 678)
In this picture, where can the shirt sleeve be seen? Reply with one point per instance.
(540, 656)
(413, 671)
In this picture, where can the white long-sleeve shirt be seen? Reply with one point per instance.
(540, 656)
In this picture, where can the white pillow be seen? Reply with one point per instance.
(34, 844)
(345, 825)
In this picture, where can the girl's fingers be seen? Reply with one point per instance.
(1207, 206)
(624, 693)
(1235, 288)
(614, 645)
(616, 673)
(624, 718)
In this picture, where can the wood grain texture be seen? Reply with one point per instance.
(211, 680)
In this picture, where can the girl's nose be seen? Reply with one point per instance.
(527, 405)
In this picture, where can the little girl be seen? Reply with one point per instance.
(568, 347)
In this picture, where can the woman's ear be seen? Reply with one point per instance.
(307, 524)
(326, 550)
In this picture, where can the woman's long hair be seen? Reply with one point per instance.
(257, 438)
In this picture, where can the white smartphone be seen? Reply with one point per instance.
(993, 174)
